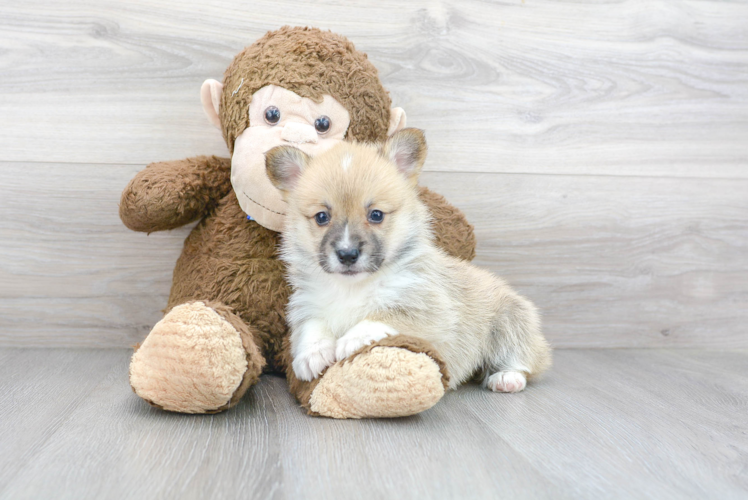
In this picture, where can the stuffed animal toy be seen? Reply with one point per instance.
(224, 324)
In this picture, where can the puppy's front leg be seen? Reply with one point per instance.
(363, 333)
(313, 349)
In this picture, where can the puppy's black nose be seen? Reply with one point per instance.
(348, 257)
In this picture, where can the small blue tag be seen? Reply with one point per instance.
(249, 217)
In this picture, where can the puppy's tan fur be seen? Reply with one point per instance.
(400, 281)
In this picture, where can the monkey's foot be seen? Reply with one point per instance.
(395, 377)
(198, 359)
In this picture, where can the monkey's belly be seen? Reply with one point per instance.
(231, 260)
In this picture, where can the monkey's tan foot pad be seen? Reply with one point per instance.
(193, 361)
(379, 382)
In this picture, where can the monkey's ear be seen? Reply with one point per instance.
(210, 97)
(397, 121)
(284, 165)
(407, 149)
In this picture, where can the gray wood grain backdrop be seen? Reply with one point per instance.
(600, 149)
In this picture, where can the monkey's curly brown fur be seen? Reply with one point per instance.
(229, 264)
(311, 62)
(229, 259)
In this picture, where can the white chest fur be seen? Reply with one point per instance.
(340, 302)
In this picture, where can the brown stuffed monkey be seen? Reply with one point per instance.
(225, 322)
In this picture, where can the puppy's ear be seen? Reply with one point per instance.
(284, 165)
(407, 149)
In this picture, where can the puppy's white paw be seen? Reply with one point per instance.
(364, 333)
(308, 364)
(506, 382)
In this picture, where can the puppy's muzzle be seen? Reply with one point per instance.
(347, 256)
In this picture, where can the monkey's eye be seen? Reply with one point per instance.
(376, 216)
(322, 124)
(322, 218)
(272, 115)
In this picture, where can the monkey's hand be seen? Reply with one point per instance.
(454, 234)
(170, 194)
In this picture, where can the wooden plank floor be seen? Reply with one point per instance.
(609, 423)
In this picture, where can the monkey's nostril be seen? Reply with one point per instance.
(299, 133)
(348, 256)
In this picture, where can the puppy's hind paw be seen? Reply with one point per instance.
(506, 382)
(309, 364)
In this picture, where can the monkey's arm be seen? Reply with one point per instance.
(454, 234)
(170, 194)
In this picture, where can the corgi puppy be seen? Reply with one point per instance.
(363, 265)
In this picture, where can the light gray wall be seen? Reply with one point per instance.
(599, 148)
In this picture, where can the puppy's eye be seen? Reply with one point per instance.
(272, 115)
(322, 124)
(376, 216)
(322, 218)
